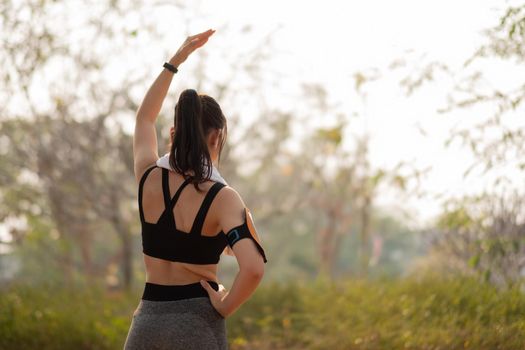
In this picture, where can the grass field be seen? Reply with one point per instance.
(429, 313)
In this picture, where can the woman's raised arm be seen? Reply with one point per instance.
(145, 138)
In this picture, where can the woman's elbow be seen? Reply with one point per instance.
(255, 271)
(258, 272)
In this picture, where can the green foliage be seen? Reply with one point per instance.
(427, 313)
(455, 219)
(48, 317)
(483, 235)
(334, 135)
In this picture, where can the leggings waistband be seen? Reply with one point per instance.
(161, 292)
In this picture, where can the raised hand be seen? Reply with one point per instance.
(191, 44)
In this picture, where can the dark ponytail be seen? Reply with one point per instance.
(189, 150)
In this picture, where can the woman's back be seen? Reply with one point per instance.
(183, 216)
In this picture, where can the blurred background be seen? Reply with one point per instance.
(378, 144)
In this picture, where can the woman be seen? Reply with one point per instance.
(183, 306)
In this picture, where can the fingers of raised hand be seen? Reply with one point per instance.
(194, 42)
(191, 46)
(203, 34)
(198, 43)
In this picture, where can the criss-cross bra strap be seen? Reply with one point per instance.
(177, 194)
(205, 206)
(166, 187)
(141, 189)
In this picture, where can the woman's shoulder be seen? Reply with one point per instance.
(229, 196)
(229, 201)
(230, 207)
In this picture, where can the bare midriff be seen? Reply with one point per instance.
(160, 271)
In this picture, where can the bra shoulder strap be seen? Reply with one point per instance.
(166, 187)
(196, 228)
(141, 190)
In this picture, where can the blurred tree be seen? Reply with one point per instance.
(321, 185)
(499, 140)
(485, 233)
(66, 155)
(496, 140)
(67, 162)
(67, 159)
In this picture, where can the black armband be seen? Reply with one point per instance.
(246, 230)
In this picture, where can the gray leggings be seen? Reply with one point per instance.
(177, 324)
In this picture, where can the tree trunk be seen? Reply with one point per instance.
(125, 240)
(364, 255)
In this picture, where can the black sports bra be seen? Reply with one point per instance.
(164, 241)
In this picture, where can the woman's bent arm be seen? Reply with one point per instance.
(251, 271)
(251, 262)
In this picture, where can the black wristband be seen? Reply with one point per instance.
(170, 67)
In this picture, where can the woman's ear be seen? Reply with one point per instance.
(214, 139)
(172, 133)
